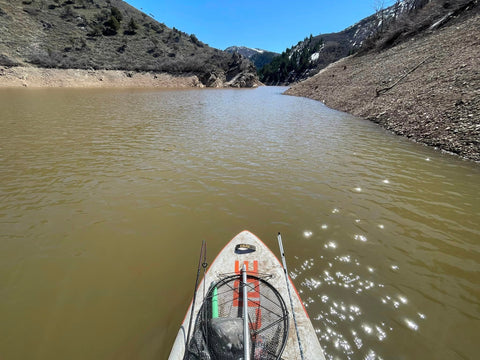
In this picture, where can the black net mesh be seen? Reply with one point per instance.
(218, 332)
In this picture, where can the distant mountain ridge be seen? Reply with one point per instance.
(245, 51)
(112, 35)
(259, 57)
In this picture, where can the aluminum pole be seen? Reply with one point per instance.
(246, 331)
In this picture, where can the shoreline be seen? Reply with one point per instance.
(435, 97)
(33, 77)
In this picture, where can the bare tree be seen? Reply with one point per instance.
(397, 9)
(379, 6)
(418, 4)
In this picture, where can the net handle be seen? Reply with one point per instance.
(245, 248)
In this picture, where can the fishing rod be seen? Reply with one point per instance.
(203, 254)
(282, 253)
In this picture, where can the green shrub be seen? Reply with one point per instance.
(195, 40)
(132, 27)
(111, 26)
(67, 13)
(96, 30)
(6, 61)
(116, 14)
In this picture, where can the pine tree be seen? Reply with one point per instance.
(132, 27)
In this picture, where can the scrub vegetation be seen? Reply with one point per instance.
(101, 34)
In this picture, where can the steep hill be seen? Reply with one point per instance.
(259, 57)
(112, 35)
(314, 53)
(426, 88)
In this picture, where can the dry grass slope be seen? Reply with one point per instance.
(103, 34)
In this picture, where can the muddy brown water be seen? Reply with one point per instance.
(106, 195)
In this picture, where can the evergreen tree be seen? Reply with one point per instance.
(116, 14)
(132, 27)
(111, 26)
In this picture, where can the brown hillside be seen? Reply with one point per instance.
(108, 35)
(435, 98)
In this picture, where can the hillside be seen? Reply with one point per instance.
(307, 58)
(111, 35)
(426, 88)
(259, 57)
(314, 53)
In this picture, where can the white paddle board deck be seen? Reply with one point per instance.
(259, 261)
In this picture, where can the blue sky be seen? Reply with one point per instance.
(265, 24)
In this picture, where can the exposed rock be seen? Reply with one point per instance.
(242, 80)
(213, 79)
(241, 73)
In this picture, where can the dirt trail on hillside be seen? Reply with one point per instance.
(436, 100)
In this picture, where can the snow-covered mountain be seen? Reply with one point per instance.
(245, 51)
(259, 57)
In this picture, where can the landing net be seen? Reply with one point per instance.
(218, 332)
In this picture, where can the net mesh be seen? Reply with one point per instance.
(218, 332)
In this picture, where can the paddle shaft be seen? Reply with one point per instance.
(282, 253)
(246, 332)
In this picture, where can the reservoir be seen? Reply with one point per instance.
(106, 196)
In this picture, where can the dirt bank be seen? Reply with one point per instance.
(41, 78)
(435, 98)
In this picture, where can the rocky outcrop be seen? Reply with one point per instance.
(240, 73)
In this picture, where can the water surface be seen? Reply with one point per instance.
(106, 195)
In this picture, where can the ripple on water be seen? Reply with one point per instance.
(118, 172)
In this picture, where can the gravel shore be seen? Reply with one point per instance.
(427, 89)
(33, 77)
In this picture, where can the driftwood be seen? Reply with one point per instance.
(384, 90)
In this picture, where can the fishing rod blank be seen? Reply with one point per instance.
(203, 253)
(289, 293)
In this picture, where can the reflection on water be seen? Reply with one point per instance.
(365, 293)
(106, 196)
